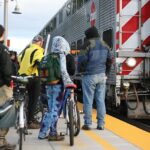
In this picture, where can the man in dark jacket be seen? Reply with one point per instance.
(5, 77)
(94, 78)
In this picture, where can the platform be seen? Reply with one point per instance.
(117, 135)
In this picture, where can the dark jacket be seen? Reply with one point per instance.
(98, 57)
(5, 66)
(70, 63)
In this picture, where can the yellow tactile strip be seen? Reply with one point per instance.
(99, 140)
(132, 134)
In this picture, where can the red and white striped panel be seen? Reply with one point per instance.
(130, 22)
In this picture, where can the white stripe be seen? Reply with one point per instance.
(131, 42)
(130, 9)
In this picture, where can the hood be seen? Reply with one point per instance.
(60, 45)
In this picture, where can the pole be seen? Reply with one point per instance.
(6, 20)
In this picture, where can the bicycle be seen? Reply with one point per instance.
(20, 97)
(71, 113)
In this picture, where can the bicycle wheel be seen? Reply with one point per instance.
(76, 121)
(70, 123)
(38, 114)
(20, 138)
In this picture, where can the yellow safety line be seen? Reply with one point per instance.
(134, 135)
(99, 140)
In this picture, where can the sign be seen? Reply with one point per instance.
(93, 14)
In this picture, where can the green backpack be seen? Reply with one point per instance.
(49, 68)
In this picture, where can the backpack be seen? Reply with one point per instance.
(49, 68)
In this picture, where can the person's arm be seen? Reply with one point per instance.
(70, 64)
(6, 67)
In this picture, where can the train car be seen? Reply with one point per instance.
(125, 26)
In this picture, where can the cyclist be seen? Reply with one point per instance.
(55, 91)
(29, 60)
(5, 90)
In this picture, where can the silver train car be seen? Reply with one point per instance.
(125, 26)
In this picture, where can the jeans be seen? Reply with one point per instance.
(94, 86)
(50, 118)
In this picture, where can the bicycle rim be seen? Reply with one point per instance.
(20, 138)
(71, 126)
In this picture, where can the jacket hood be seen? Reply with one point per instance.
(60, 45)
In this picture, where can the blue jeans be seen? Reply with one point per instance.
(50, 119)
(94, 86)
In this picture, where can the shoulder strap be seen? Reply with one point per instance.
(32, 55)
(24, 52)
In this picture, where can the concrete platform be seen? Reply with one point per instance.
(86, 140)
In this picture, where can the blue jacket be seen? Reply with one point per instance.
(98, 58)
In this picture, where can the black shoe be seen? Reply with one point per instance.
(100, 128)
(55, 138)
(86, 127)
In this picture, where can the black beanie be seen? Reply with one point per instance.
(91, 32)
(1, 30)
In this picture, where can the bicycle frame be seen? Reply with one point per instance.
(21, 115)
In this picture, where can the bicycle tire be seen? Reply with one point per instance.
(71, 123)
(39, 111)
(77, 123)
(20, 138)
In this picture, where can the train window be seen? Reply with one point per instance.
(79, 44)
(79, 3)
(86, 1)
(68, 9)
(60, 17)
(53, 24)
(48, 29)
(74, 7)
(108, 37)
(73, 45)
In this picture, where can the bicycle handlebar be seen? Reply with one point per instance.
(22, 78)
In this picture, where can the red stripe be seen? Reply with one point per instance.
(126, 69)
(124, 3)
(133, 24)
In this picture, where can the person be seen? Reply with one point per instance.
(5, 78)
(55, 91)
(29, 60)
(15, 63)
(94, 78)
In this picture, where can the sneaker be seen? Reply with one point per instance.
(100, 128)
(42, 138)
(86, 127)
(55, 138)
(33, 125)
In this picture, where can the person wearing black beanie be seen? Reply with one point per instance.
(97, 62)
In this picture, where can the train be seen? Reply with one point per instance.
(125, 26)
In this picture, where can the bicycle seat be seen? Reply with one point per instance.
(73, 86)
(6, 107)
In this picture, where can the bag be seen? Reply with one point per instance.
(49, 68)
(6, 93)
